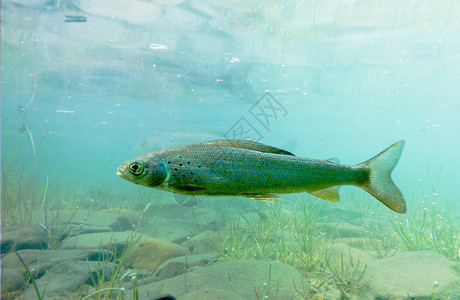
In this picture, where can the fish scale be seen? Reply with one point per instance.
(259, 171)
(253, 172)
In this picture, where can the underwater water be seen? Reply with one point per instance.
(88, 85)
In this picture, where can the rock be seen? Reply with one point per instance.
(230, 280)
(359, 243)
(412, 274)
(171, 230)
(339, 212)
(350, 256)
(116, 221)
(83, 218)
(151, 253)
(176, 266)
(203, 219)
(167, 210)
(127, 279)
(374, 222)
(105, 240)
(34, 237)
(202, 243)
(208, 292)
(40, 261)
(12, 280)
(67, 277)
(192, 222)
(343, 229)
(132, 216)
(63, 231)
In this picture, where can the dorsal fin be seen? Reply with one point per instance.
(250, 145)
(334, 160)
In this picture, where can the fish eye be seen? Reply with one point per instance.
(136, 168)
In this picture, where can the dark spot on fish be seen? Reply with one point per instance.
(169, 162)
(195, 180)
(174, 175)
(175, 169)
(183, 175)
(180, 165)
(180, 156)
(191, 173)
(188, 162)
(199, 166)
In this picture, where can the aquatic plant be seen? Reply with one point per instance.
(379, 236)
(261, 228)
(291, 236)
(318, 283)
(304, 292)
(186, 264)
(234, 245)
(348, 277)
(311, 239)
(265, 292)
(20, 197)
(28, 206)
(99, 279)
(56, 230)
(383, 245)
(360, 204)
(15, 208)
(428, 228)
(29, 275)
(103, 287)
(254, 236)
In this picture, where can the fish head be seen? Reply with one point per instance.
(144, 171)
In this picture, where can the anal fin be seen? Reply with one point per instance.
(329, 194)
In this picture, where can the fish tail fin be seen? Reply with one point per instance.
(380, 185)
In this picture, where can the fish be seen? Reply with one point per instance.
(262, 172)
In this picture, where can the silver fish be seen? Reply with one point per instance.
(255, 170)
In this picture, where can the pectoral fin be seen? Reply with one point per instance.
(329, 194)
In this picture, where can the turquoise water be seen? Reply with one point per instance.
(348, 79)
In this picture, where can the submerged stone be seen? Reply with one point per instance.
(34, 237)
(241, 279)
(39, 262)
(414, 274)
(67, 277)
(105, 240)
(12, 280)
(176, 266)
(150, 254)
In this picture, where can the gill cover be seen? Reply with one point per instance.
(158, 173)
(147, 173)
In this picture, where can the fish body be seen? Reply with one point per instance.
(259, 171)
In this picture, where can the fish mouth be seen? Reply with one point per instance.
(119, 172)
